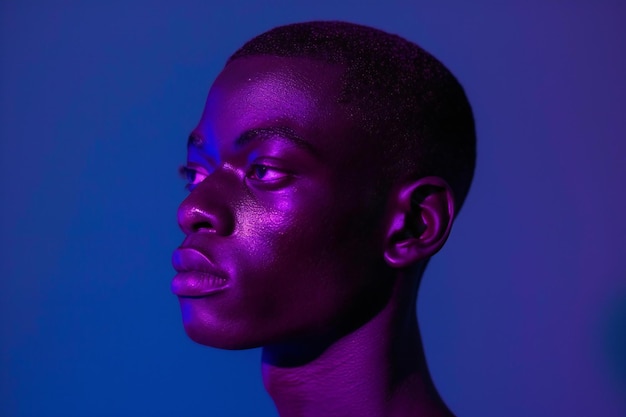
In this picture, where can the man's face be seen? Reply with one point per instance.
(283, 222)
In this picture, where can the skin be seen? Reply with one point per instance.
(317, 262)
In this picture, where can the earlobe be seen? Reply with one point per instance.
(421, 216)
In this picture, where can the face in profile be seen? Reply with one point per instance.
(282, 222)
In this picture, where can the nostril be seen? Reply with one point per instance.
(200, 226)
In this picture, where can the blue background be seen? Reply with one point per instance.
(523, 312)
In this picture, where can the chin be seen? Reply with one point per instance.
(218, 339)
(222, 335)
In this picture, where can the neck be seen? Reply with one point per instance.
(378, 369)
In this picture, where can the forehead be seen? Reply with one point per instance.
(294, 84)
(265, 91)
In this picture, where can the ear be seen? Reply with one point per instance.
(420, 215)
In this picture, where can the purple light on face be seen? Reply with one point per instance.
(272, 199)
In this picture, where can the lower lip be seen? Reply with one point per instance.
(197, 284)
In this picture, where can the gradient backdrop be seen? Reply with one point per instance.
(523, 312)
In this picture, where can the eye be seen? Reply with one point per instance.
(267, 173)
(193, 176)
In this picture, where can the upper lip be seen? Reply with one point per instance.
(185, 259)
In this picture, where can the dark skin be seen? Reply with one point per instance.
(291, 246)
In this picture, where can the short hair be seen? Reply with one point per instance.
(405, 97)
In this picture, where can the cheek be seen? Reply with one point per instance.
(331, 229)
(309, 266)
(288, 279)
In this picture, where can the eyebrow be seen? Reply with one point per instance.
(275, 133)
(283, 133)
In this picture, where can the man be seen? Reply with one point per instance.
(326, 170)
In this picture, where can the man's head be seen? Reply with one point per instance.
(401, 96)
(319, 169)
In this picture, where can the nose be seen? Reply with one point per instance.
(207, 209)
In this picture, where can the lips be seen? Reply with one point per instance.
(197, 276)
